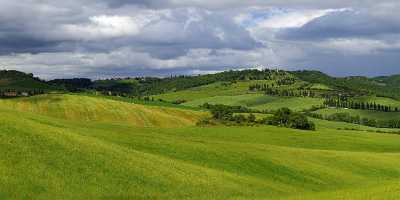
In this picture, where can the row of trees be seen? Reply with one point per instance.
(346, 117)
(345, 103)
(271, 90)
(286, 81)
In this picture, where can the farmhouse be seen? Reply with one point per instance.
(10, 94)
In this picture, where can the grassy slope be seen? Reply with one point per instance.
(211, 90)
(83, 108)
(141, 101)
(260, 102)
(362, 113)
(54, 158)
(329, 125)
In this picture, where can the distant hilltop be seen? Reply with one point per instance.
(16, 83)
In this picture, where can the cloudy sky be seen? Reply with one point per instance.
(111, 38)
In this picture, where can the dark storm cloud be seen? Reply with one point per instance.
(230, 4)
(343, 24)
(56, 38)
(145, 3)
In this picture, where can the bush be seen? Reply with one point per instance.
(300, 121)
(252, 118)
(287, 118)
(179, 101)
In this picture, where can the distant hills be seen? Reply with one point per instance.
(386, 86)
(14, 83)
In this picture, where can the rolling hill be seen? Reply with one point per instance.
(84, 108)
(19, 81)
(95, 146)
(90, 159)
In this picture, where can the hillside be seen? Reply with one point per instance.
(91, 160)
(260, 102)
(382, 86)
(110, 144)
(19, 81)
(83, 108)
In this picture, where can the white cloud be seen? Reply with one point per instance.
(357, 45)
(292, 19)
(281, 18)
(108, 26)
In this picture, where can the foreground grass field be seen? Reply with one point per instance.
(51, 156)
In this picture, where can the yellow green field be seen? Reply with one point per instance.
(83, 108)
(77, 147)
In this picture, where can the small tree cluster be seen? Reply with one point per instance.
(287, 118)
(282, 117)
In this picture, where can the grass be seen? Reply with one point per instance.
(370, 114)
(84, 108)
(317, 86)
(51, 156)
(140, 101)
(211, 90)
(294, 103)
(260, 102)
(329, 125)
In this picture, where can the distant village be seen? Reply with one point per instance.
(15, 93)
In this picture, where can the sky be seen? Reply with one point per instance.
(120, 38)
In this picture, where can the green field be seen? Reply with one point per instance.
(260, 102)
(77, 147)
(211, 90)
(370, 114)
(84, 108)
(317, 86)
(238, 94)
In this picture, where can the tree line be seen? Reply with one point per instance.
(346, 103)
(273, 91)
